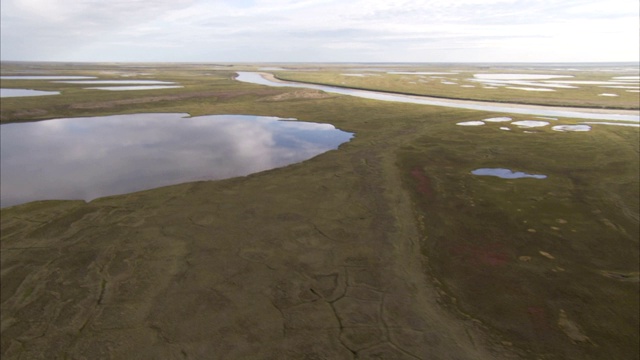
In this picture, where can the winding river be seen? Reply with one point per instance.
(537, 110)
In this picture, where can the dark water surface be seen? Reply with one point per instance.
(86, 158)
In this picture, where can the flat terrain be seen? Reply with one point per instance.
(387, 248)
(583, 86)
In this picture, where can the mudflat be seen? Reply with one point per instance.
(386, 248)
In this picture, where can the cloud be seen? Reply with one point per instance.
(317, 30)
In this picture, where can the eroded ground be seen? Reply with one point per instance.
(387, 248)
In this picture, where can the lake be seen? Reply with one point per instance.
(87, 158)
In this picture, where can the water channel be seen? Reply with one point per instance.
(613, 115)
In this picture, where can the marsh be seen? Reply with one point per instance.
(374, 249)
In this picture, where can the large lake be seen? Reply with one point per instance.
(86, 158)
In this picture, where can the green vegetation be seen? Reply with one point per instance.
(387, 247)
(201, 85)
(523, 251)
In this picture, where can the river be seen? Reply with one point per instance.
(537, 110)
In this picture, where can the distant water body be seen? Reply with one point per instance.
(538, 110)
(7, 93)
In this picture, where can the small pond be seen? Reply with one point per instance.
(506, 173)
(86, 158)
(6, 93)
(530, 123)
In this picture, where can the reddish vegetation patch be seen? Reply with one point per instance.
(539, 320)
(424, 184)
(542, 330)
(486, 254)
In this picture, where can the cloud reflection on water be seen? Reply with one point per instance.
(86, 158)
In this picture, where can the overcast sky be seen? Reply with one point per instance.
(321, 30)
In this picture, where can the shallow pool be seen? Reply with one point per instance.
(506, 173)
(86, 158)
(7, 93)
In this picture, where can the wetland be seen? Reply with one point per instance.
(388, 247)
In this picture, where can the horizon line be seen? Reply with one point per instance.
(320, 62)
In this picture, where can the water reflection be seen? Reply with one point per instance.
(6, 93)
(86, 158)
(506, 173)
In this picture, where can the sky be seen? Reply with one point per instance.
(320, 30)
